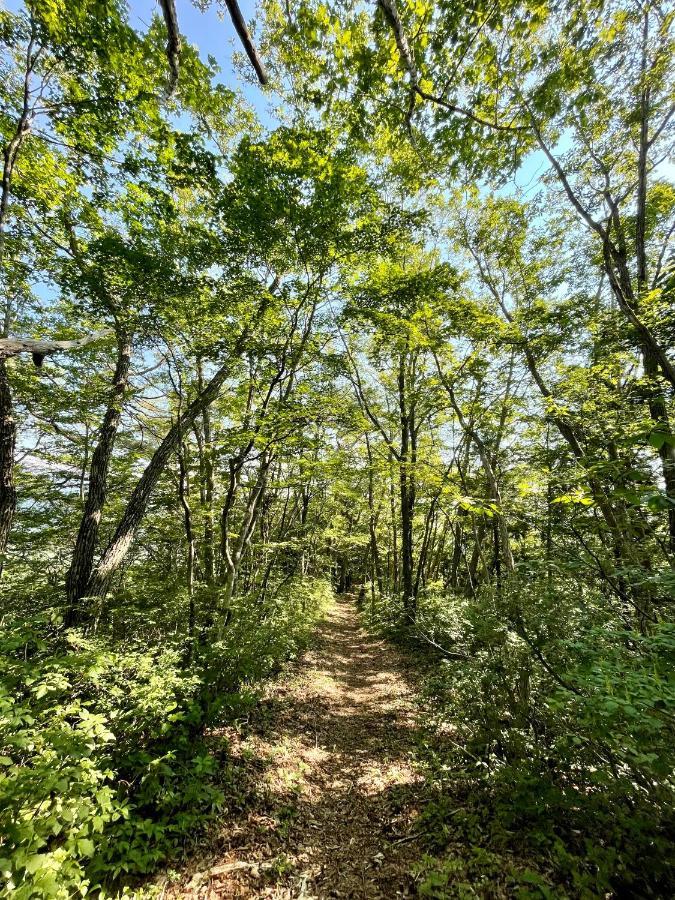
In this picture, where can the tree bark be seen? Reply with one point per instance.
(376, 573)
(184, 497)
(116, 552)
(406, 497)
(82, 561)
(7, 444)
(208, 486)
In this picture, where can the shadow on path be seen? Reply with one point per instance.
(327, 767)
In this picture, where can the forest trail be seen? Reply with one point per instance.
(329, 760)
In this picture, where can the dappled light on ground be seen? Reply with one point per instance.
(329, 761)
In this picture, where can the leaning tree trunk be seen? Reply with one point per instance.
(82, 562)
(116, 552)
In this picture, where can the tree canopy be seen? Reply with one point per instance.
(406, 337)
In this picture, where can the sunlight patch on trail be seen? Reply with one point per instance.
(329, 763)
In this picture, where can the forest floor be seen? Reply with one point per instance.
(327, 780)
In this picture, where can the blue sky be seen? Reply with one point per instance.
(213, 34)
(211, 31)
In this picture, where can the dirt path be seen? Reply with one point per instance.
(329, 780)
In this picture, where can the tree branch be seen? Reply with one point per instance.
(245, 38)
(173, 44)
(40, 349)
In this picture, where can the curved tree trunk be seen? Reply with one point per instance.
(116, 552)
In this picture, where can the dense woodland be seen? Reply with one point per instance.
(407, 337)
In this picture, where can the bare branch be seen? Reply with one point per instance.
(245, 38)
(40, 349)
(173, 44)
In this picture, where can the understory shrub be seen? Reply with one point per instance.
(552, 740)
(104, 768)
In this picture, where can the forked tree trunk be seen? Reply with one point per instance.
(233, 554)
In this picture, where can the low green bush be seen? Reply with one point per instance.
(555, 742)
(104, 768)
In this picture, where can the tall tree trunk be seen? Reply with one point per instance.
(305, 497)
(407, 499)
(656, 361)
(184, 497)
(82, 562)
(376, 564)
(7, 444)
(116, 552)
(658, 408)
(395, 563)
(458, 539)
(208, 487)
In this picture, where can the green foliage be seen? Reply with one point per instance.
(411, 332)
(562, 747)
(104, 769)
(259, 639)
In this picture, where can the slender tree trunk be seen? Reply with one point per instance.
(208, 487)
(376, 574)
(549, 516)
(658, 406)
(7, 444)
(655, 358)
(82, 562)
(458, 538)
(476, 557)
(236, 553)
(184, 497)
(496, 537)
(395, 565)
(407, 499)
(305, 498)
(427, 540)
